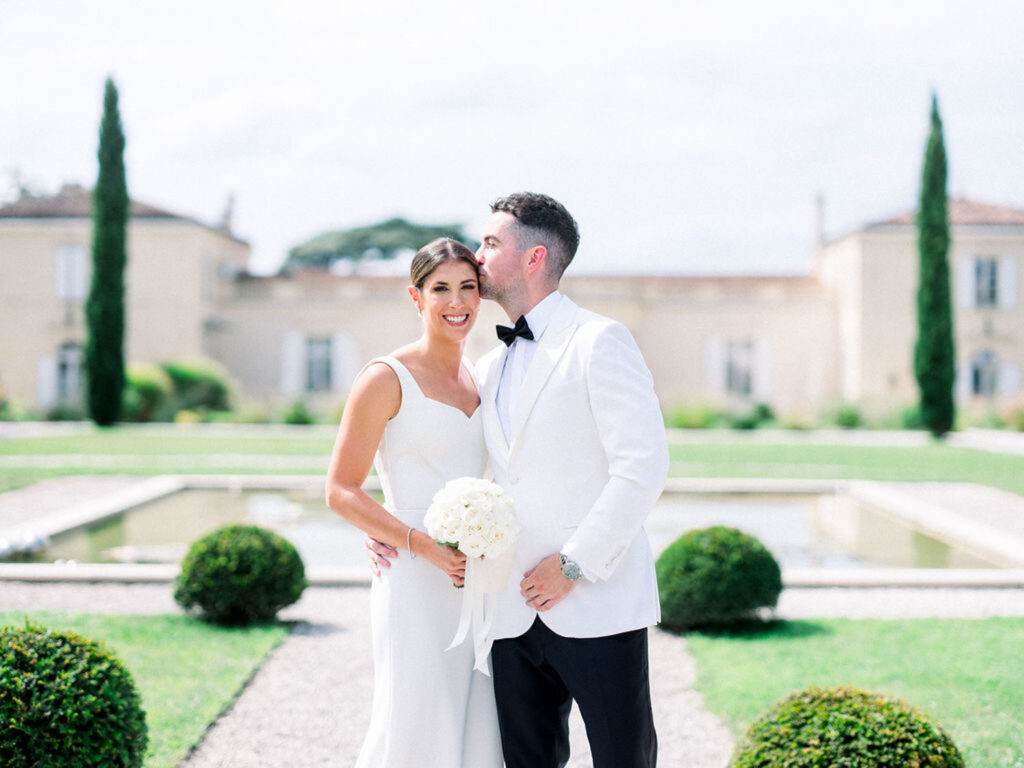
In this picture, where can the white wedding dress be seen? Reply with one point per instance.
(430, 708)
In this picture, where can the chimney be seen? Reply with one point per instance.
(225, 218)
(819, 220)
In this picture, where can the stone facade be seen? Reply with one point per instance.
(178, 273)
(872, 274)
(843, 333)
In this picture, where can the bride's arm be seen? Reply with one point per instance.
(375, 399)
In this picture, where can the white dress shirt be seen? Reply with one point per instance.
(518, 359)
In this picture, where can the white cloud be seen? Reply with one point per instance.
(694, 136)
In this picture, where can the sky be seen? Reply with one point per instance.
(685, 137)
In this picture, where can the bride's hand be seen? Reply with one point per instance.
(380, 555)
(449, 560)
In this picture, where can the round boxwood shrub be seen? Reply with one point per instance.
(240, 574)
(66, 701)
(147, 388)
(199, 383)
(714, 577)
(848, 727)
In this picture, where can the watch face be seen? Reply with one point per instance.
(569, 569)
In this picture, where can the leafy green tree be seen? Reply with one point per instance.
(384, 240)
(934, 356)
(104, 309)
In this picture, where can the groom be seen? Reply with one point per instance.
(576, 438)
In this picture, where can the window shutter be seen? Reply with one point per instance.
(1007, 282)
(762, 371)
(46, 381)
(965, 287)
(714, 364)
(293, 363)
(1009, 380)
(963, 383)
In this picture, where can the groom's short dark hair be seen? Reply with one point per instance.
(542, 220)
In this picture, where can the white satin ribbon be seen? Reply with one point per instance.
(485, 580)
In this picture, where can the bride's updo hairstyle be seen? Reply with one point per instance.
(434, 254)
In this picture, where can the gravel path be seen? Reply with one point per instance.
(309, 703)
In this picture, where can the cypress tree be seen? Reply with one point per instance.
(934, 357)
(104, 309)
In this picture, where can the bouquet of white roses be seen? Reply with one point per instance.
(477, 517)
(474, 515)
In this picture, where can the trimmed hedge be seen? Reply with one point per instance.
(714, 577)
(198, 384)
(240, 574)
(147, 389)
(66, 701)
(844, 727)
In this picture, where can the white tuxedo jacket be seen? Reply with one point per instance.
(586, 462)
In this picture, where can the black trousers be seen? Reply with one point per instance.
(538, 674)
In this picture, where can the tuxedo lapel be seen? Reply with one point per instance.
(497, 445)
(550, 348)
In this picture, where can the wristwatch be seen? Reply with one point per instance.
(570, 568)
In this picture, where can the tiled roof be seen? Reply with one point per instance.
(966, 213)
(72, 202)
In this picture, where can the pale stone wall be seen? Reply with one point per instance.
(888, 322)
(840, 269)
(684, 326)
(873, 275)
(998, 328)
(172, 286)
(674, 320)
(34, 321)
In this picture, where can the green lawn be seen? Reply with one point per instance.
(163, 449)
(187, 671)
(933, 462)
(967, 674)
(180, 440)
(188, 449)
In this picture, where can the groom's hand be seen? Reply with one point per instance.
(544, 586)
(379, 553)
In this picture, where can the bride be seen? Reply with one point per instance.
(415, 416)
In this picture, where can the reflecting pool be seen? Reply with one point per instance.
(801, 530)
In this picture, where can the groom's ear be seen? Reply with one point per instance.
(538, 255)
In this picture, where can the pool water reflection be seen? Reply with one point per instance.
(801, 530)
(810, 530)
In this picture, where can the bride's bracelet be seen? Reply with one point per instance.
(408, 541)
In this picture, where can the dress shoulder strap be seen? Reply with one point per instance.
(405, 378)
(472, 371)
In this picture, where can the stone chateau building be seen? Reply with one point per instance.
(843, 333)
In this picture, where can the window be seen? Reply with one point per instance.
(72, 272)
(986, 282)
(739, 368)
(984, 368)
(69, 373)
(318, 364)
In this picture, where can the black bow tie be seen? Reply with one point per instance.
(508, 335)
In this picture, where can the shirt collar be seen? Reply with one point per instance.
(540, 316)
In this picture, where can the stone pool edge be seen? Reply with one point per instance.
(347, 577)
(938, 521)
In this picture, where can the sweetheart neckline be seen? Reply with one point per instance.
(434, 400)
(453, 407)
